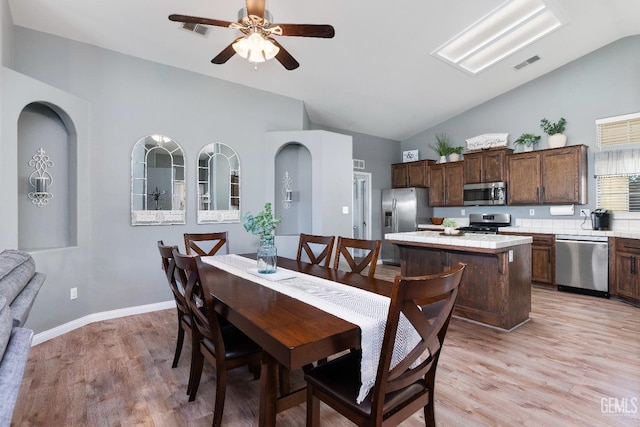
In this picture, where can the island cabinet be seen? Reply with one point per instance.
(496, 284)
(624, 265)
(411, 174)
(446, 184)
(486, 166)
(543, 258)
(552, 176)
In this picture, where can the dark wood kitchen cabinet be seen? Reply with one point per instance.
(551, 176)
(446, 184)
(411, 174)
(543, 258)
(486, 166)
(624, 265)
(399, 175)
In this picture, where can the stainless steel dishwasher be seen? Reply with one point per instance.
(582, 264)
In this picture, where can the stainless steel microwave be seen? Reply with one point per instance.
(485, 194)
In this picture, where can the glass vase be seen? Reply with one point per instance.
(267, 257)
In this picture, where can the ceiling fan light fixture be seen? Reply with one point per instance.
(256, 48)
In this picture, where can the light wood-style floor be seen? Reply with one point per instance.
(556, 370)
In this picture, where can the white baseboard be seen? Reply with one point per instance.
(98, 317)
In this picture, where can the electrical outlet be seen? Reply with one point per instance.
(532, 212)
(585, 212)
(74, 293)
(463, 212)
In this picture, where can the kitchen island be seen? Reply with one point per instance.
(496, 286)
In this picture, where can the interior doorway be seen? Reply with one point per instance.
(361, 206)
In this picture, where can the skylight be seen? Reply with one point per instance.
(509, 28)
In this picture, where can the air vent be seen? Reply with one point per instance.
(196, 28)
(527, 62)
(358, 164)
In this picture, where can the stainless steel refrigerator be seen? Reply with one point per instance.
(402, 210)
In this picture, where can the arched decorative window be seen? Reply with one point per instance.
(157, 182)
(218, 184)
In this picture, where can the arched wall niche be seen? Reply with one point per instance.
(42, 125)
(293, 161)
(331, 169)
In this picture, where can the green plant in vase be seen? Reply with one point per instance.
(264, 224)
(527, 140)
(555, 131)
(454, 156)
(442, 147)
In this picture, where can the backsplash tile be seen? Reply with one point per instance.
(582, 226)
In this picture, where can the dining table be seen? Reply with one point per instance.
(293, 334)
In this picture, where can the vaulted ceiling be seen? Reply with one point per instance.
(376, 76)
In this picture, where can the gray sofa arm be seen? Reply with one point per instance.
(21, 306)
(11, 371)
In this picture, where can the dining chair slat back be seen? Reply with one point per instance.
(358, 264)
(206, 244)
(399, 391)
(309, 242)
(221, 343)
(177, 289)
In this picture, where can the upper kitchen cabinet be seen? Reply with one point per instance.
(486, 166)
(446, 184)
(552, 176)
(411, 174)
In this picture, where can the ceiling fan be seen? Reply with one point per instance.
(257, 43)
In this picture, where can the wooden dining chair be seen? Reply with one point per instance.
(357, 266)
(399, 391)
(206, 244)
(309, 242)
(225, 347)
(178, 291)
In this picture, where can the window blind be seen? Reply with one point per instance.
(619, 193)
(613, 193)
(616, 166)
(618, 130)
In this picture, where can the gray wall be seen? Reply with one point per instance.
(120, 99)
(378, 154)
(601, 84)
(331, 175)
(295, 159)
(130, 98)
(6, 44)
(47, 226)
(68, 266)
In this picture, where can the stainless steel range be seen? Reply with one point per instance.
(486, 223)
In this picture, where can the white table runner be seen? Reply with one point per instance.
(366, 309)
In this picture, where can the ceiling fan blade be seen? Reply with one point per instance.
(307, 30)
(255, 7)
(285, 58)
(226, 53)
(197, 20)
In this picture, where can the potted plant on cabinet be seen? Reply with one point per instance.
(454, 156)
(555, 131)
(527, 140)
(443, 147)
(264, 225)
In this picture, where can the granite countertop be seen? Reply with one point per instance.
(573, 231)
(469, 240)
(569, 230)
